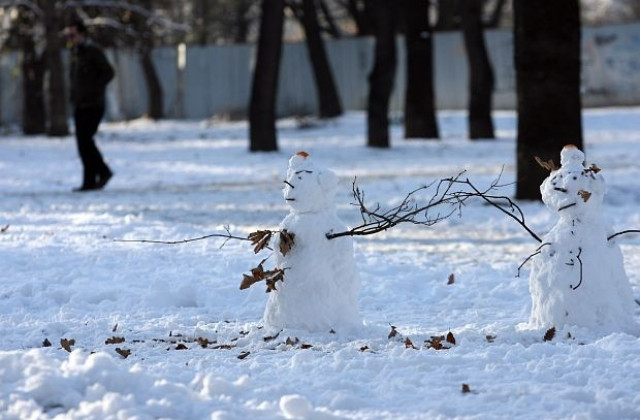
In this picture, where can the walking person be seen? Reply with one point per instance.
(89, 76)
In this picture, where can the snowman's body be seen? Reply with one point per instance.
(321, 284)
(579, 278)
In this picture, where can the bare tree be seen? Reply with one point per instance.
(419, 105)
(481, 80)
(547, 61)
(381, 78)
(262, 108)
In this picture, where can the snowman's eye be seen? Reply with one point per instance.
(575, 177)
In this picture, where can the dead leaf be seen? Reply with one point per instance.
(435, 343)
(548, 165)
(408, 344)
(272, 277)
(364, 348)
(123, 352)
(594, 168)
(204, 342)
(450, 338)
(332, 331)
(46, 343)
(305, 346)
(181, 346)
(67, 344)
(286, 241)
(451, 279)
(291, 341)
(271, 337)
(243, 355)
(586, 195)
(466, 388)
(115, 328)
(4, 229)
(114, 340)
(260, 239)
(551, 332)
(248, 281)
(490, 338)
(393, 332)
(223, 347)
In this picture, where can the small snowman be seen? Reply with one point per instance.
(319, 292)
(578, 275)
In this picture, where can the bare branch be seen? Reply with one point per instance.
(26, 3)
(511, 209)
(623, 233)
(227, 236)
(580, 261)
(538, 251)
(151, 17)
(408, 211)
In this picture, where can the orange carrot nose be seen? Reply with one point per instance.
(303, 154)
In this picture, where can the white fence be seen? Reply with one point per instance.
(216, 80)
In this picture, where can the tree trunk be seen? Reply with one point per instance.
(547, 61)
(329, 101)
(419, 105)
(154, 89)
(481, 79)
(381, 78)
(262, 108)
(34, 119)
(448, 19)
(57, 99)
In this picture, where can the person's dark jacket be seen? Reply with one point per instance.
(90, 74)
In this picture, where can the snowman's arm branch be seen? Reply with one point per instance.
(538, 251)
(375, 221)
(227, 236)
(491, 199)
(624, 232)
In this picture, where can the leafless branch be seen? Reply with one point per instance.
(511, 209)
(151, 17)
(623, 233)
(375, 219)
(538, 251)
(579, 261)
(228, 236)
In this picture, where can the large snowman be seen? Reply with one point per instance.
(578, 278)
(320, 288)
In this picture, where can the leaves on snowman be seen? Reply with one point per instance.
(593, 168)
(260, 239)
(585, 195)
(549, 165)
(258, 273)
(286, 241)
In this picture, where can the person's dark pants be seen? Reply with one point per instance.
(86, 122)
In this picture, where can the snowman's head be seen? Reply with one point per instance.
(573, 191)
(308, 188)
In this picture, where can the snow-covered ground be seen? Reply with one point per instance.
(194, 343)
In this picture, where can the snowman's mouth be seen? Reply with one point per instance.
(566, 206)
(290, 199)
(564, 190)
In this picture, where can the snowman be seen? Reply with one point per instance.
(578, 276)
(319, 292)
